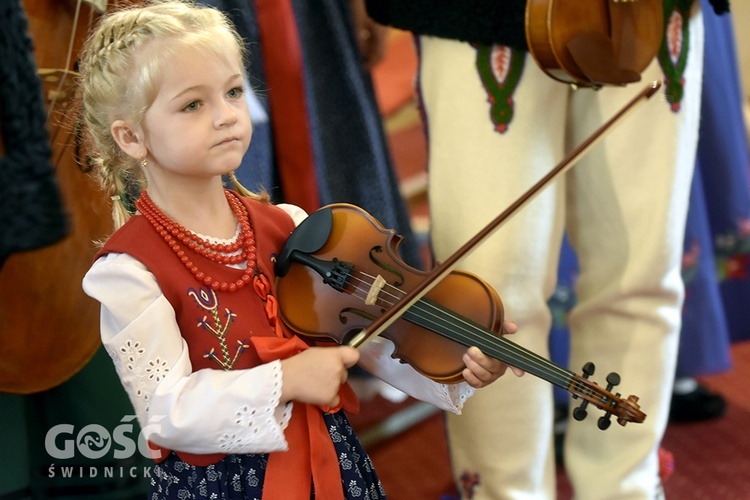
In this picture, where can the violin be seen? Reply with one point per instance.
(367, 290)
(49, 328)
(594, 43)
(362, 276)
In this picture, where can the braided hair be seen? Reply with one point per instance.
(119, 76)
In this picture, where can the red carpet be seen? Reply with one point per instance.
(712, 459)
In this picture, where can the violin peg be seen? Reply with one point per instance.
(604, 421)
(580, 413)
(588, 369)
(613, 379)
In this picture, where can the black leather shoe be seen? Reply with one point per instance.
(697, 405)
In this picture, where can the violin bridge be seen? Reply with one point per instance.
(372, 294)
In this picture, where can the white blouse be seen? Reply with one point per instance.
(212, 411)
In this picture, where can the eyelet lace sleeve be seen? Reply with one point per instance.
(376, 359)
(209, 411)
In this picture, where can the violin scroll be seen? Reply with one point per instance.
(626, 410)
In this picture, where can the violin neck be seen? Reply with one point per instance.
(468, 333)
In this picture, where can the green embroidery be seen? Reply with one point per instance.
(674, 49)
(500, 70)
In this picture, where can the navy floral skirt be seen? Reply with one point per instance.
(241, 476)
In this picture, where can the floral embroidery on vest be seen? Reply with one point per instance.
(500, 70)
(205, 298)
(674, 49)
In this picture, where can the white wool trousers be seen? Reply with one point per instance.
(623, 206)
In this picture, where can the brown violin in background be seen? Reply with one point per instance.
(592, 43)
(340, 270)
(49, 328)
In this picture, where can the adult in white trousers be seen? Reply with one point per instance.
(624, 206)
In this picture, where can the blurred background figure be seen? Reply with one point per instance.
(717, 244)
(496, 123)
(318, 135)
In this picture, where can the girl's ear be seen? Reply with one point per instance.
(128, 138)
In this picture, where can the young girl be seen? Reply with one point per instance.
(231, 404)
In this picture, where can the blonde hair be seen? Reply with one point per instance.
(117, 82)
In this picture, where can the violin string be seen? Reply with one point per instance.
(557, 375)
(469, 334)
(463, 331)
(473, 336)
(68, 57)
(434, 312)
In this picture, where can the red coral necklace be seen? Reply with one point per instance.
(174, 234)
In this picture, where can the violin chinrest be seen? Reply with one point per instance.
(307, 238)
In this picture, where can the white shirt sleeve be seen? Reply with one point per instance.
(296, 213)
(376, 359)
(208, 411)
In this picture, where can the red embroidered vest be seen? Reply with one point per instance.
(216, 325)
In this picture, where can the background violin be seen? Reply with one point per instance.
(49, 329)
(594, 42)
(340, 270)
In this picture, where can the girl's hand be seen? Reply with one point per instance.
(482, 370)
(315, 375)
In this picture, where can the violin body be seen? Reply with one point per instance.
(593, 43)
(340, 271)
(49, 328)
(318, 312)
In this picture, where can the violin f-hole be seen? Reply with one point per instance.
(382, 265)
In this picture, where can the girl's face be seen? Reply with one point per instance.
(198, 126)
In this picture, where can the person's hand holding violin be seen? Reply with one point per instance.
(315, 375)
(482, 370)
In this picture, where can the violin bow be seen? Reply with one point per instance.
(439, 272)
